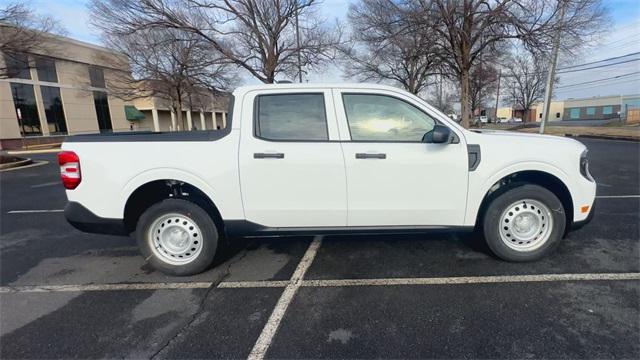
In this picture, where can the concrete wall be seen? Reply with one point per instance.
(555, 111)
(597, 115)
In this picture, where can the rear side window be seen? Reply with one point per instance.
(291, 117)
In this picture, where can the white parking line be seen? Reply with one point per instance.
(472, 280)
(34, 211)
(103, 287)
(266, 336)
(46, 184)
(617, 196)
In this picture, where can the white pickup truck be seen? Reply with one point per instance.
(325, 159)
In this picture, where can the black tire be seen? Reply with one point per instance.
(492, 221)
(208, 237)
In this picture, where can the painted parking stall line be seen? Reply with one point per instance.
(472, 280)
(271, 327)
(617, 196)
(104, 287)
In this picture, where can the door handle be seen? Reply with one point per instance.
(370, 156)
(268, 156)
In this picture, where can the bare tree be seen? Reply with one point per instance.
(170, 64)
(23, 32)
(482, 84)
(470, 28)
(255, 35)
(526, 76)
(380, 51)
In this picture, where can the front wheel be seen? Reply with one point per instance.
(177, 237)
(524, 223)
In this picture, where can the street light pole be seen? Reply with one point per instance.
(298, 45)
(551, 75)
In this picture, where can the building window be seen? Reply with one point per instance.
(53, 109)
(24, 101)
(46, 69)
(557, 115)
(574, 113)
(96, 76)
(17, 66)
(591, 111)
(102, 111)
(607, 110)
(291, 117)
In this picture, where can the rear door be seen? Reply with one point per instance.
(393, 178)
(292, 174)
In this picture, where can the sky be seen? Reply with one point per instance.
(622, 38)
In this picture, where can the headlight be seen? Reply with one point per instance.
(584, 166)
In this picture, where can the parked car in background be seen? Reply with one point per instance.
(325, 159)
(514, 120)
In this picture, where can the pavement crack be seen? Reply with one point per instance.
(214, 284)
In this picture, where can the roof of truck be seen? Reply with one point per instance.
(247, 88)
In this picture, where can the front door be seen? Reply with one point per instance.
(291, 173)
(393, 178)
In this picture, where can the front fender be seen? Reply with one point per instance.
(479, 186)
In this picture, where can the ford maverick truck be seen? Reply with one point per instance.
(325, 159)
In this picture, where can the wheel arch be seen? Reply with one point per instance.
(542, 178)
(153, 191)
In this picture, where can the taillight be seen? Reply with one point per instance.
(69, 169)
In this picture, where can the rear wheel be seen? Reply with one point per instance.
(524, 223)
(177, 237)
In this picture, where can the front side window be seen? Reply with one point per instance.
(385, 118)
(53, 109)
(24, 101)
(591, 111)
(17, 66)
(96, 76)
(299, 117)
(46, 69)
(607, 110)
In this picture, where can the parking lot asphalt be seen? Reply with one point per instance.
(69, 294)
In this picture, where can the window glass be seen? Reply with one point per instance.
(291, 117)
(46, 69)
(574, 113)
(17, 66)
(557, 115)
(384, 118)
(607, 110)
(102, 111)
(96, 76)
(591, 111)
(26, 109)
(53, 109)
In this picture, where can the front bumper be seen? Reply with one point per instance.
(84, 220)
(579, 224)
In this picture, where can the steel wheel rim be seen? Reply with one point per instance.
(175, 239)
(525, 225)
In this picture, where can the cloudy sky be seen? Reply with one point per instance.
(622, 38)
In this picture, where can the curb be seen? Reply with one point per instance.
(25, 152)
(604, 137)
(16, 164)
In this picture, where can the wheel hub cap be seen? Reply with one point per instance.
(175, 238)
(526, 225)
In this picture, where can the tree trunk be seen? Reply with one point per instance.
(179, 116)
(464, 99)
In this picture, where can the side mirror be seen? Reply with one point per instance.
(439, 135)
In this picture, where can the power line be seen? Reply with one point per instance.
(597, 67)
(595, 62)
(593, 81)
(617, 82)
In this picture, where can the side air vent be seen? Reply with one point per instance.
(474, 156)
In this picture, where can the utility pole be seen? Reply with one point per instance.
(298, 45)
(498, 95)
(552, 73)
(440, 102)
